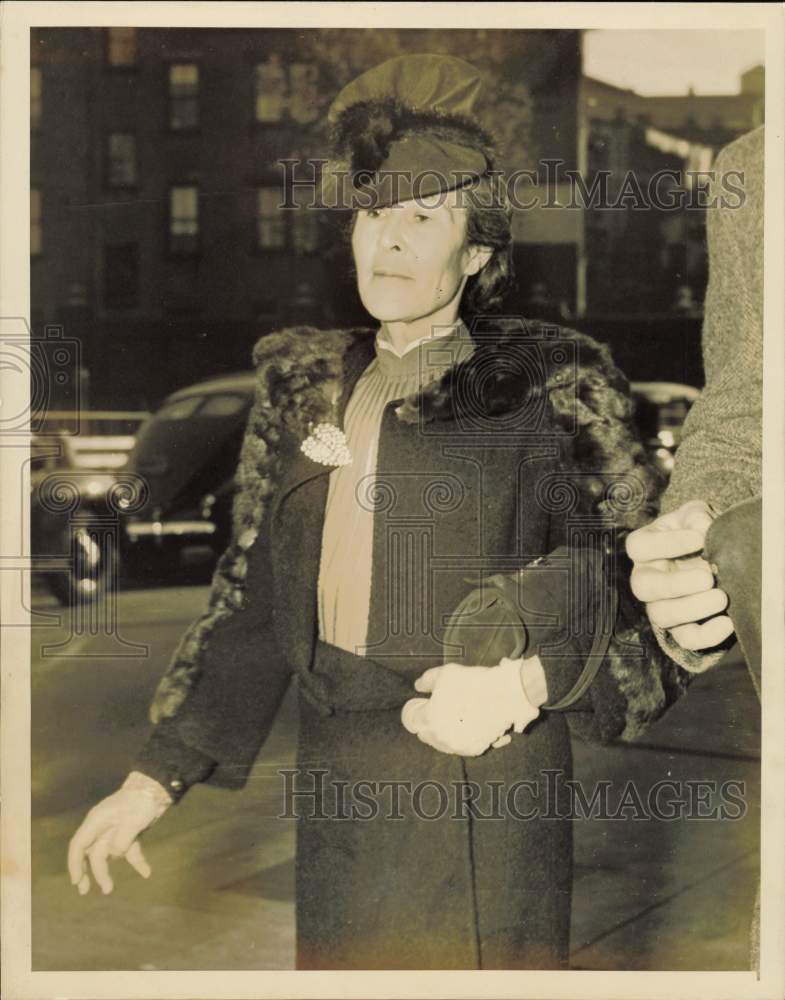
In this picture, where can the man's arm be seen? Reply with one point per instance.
(718, 463)
(719, 458)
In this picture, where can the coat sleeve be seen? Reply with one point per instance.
(218, 698)
(614, 488)
(635, 682)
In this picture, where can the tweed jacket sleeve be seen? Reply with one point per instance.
(719, 458)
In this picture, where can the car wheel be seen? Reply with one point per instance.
(93, 569)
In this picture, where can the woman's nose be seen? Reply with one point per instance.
(391, 238)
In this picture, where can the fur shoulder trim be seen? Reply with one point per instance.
(295, 368)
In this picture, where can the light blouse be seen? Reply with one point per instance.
(344, 589)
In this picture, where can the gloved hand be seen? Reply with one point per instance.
(111, 829)
(471, 708)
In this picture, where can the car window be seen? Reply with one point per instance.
(223, 405)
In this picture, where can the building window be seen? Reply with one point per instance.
(304, 222)
(183, 220)
(36, 240)
(36, 94)
(184, 96)
(121, 46)
(271, 90)
(121, 276)
(294, 228)
(270, 219)
(303, 92)
(279, 91)
(121, 171)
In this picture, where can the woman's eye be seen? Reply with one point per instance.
(422, 218)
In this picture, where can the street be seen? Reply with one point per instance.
(650, 894)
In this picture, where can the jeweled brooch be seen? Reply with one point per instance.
(326, 444)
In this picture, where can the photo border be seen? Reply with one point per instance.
(19, 982)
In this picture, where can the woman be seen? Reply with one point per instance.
(378, 469)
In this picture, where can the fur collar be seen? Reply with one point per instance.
(308, 374)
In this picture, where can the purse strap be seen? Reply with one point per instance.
(599, 648)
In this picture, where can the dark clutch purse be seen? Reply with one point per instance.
(488, 624)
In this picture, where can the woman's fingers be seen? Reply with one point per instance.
(92, 827)
(426, 682)
(137, 860)
(76, 854)
(412, 714)
(706, 636)
(98, 854)
(685, 610)
(110, 830)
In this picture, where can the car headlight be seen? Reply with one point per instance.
(98, 486)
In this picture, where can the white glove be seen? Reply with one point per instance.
(111, 829)
(471, 708)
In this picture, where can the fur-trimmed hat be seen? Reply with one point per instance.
(406, 129)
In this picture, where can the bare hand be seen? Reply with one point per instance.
(674, 582)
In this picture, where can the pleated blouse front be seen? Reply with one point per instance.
(345, 571)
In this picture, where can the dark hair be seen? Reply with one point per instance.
(489, 224)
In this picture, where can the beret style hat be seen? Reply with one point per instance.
(406, 129)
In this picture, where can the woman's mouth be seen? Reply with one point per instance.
(390, 274)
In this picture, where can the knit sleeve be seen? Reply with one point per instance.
(719, 458)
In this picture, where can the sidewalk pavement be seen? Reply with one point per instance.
(649, 895)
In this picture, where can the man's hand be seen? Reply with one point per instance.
(674, 582)
(470, 708)
(111, 829)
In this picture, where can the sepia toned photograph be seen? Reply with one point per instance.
(391, 566)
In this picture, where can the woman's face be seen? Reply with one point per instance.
(412, 258)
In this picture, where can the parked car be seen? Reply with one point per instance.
(72, 503)
(660, 411)
(188, 452)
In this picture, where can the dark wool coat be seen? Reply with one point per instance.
(524, 448)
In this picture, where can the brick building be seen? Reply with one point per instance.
(155, 184)
(648, 262)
